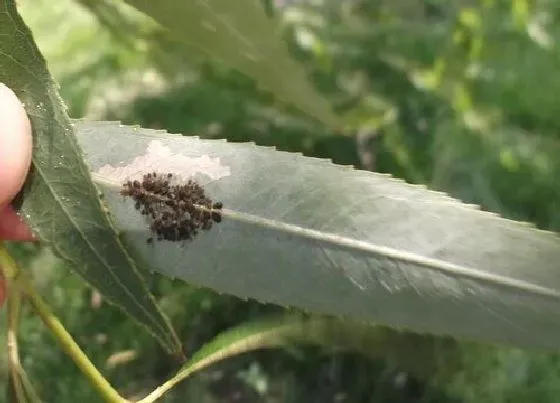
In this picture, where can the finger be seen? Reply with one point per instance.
(15, 145)
(12, 227)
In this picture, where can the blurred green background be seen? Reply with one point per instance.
(460, 96)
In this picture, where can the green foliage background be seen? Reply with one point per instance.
(457, 95)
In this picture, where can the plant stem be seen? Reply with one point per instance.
(14, 303)
(64, 338)
(165, 387)
(22, 386)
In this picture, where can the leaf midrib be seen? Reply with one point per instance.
(388, 252)
(407, 257)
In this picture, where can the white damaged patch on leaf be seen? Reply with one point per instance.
(160, 158)
(300, 232)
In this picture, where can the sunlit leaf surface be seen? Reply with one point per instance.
(303, 232)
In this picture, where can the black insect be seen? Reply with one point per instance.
(175, 212)
(216, 217)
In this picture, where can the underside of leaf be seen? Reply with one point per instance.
(306, 233)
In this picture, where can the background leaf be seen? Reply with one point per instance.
(240, 34)
(274, 332)
(59, 200)
(306, 233)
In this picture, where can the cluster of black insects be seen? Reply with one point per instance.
(176, 212)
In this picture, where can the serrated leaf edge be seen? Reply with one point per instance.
(443, 197)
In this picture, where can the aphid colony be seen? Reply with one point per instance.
(176, 212)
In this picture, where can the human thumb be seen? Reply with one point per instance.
(15, 145)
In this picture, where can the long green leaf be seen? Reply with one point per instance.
(330, 239)
(60, 202)
(241, 35)
(413, 353)
(279, 331)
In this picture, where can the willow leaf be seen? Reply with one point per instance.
(270, 333)
(241, 35)
(413, 353)
(59, 200)
(304, 232)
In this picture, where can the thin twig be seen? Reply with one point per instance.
(64, 338)
(14, 303)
